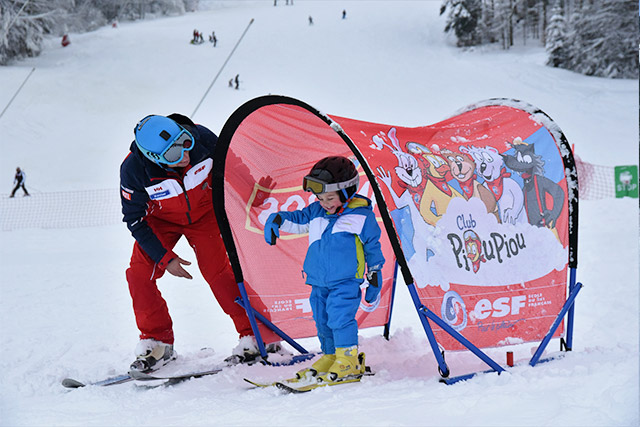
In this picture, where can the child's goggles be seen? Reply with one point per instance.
(318, 186)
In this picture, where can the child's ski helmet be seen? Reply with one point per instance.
(162, 140)
(334, 173)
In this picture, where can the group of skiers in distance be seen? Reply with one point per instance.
(198, 38)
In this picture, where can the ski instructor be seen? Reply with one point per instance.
(165, 184)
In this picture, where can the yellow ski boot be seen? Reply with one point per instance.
(319, 367)
(348, 364)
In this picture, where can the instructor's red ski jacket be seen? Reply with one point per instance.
(176, 196)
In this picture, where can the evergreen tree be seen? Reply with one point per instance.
(504, 17)
(463, 19)
(603, 39)
(25, 23)
(555, 38)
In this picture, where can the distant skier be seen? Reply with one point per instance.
(344, 14)
(237, 81)
(344, 238)
(310, 20)
(19, 179)
(213, 39)
(231, 82)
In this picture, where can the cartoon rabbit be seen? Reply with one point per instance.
(408, 169)
(413, 231)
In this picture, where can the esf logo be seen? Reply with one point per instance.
(454, 311)
(500, 307)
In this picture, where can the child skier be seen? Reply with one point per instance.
(343, 235)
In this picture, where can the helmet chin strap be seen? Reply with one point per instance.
(347, 200)
(344, 205)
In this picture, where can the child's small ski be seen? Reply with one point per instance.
(259, 385)
(295, 388)
(303, 385)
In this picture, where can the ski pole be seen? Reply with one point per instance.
(221, 68)
(18, 91)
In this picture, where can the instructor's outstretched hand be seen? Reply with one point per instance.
(175, 267)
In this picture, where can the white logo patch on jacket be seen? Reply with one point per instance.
(171, 188)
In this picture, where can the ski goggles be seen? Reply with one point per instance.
(174, 153)
(318, 186)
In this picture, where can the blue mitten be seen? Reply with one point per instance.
(272, 228)
(375, 285)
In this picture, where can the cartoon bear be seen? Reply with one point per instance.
(463, 169)
(508, 194)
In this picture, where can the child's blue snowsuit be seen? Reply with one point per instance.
(339, 246)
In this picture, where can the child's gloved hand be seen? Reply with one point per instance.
(272, 228)
(375, 285)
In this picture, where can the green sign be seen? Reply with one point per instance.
(626, 181)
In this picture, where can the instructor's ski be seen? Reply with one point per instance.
(172, 379)
(118, 379)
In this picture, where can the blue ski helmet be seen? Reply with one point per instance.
(162, 140)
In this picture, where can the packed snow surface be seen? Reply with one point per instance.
(65, 310)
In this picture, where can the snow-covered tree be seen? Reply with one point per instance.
(556, 37)
(25, 23)
(593, 37)
(603, 39)
(463, 19)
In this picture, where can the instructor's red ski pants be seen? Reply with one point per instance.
(150, 308)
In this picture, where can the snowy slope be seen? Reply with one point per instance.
(64, 304)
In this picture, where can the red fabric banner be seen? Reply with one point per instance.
(479, 203)
(270, 152)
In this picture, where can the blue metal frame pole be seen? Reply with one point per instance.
(252, 319)
(279, 332)
(567, 305)
(444, 369)
(572, 285)
(461, 339)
